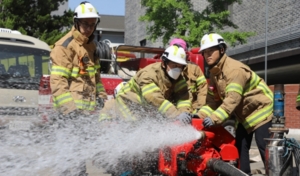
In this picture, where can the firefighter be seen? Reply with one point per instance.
(75, 77)
(235, 89)
(298, 100)
(195, 79)
(159, 85)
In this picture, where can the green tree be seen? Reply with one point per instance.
(34, 18)
(177, 18)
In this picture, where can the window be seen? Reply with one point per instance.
(22, 65)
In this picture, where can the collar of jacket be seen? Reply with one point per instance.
(217, 69)
(81, 39)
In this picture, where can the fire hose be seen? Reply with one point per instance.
(103, 50)
(291, 147)
(224, 168)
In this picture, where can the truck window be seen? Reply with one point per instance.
(21, 67)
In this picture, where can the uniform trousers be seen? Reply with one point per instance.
(243, 144)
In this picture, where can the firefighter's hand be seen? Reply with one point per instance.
(207, 122)
(100, 102)
(73, 114)
(185, 118)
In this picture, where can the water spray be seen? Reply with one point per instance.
(63, 147)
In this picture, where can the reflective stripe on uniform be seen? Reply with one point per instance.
(149, 89)
(62, 99)
(266, 90)
(192, 88)
(104, 116)
(83, 104)
(195, 111)
(124, 88)
(184, 103)
(134, 86)
(125, 110)
(221, 113)
(100, 87)
(200, 80)
(165, 106)
(210, 92)
(75, 72)
(234, 87)
(62, 71)
(97, 67)
(206, 110)
(258, 116)
(127, 87)
(130, 85)
(253, 82)
(91, 71)
(298, 98)
(180, 85)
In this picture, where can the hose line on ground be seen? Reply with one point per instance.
(223, 168)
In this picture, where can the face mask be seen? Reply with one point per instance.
(174, 73)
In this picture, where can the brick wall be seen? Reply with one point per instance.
(292, 115)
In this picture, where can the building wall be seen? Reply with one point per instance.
(132, 12)
(292, 115)
(249, 16)
(283, 25)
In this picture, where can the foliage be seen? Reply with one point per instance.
(35, 18)
(177, 18)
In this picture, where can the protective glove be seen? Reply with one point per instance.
(185, 118)
(207, 122)
(100, 102)
(74, 114)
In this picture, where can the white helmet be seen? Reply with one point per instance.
(175, 54)
(118, 88)
(211, 40)
(86, 10)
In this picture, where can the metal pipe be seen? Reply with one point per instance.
(278, 120)
(266, 41)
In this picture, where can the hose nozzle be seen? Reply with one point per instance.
(200, 135)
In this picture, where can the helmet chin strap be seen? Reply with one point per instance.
(221, 55)
(76, 24)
